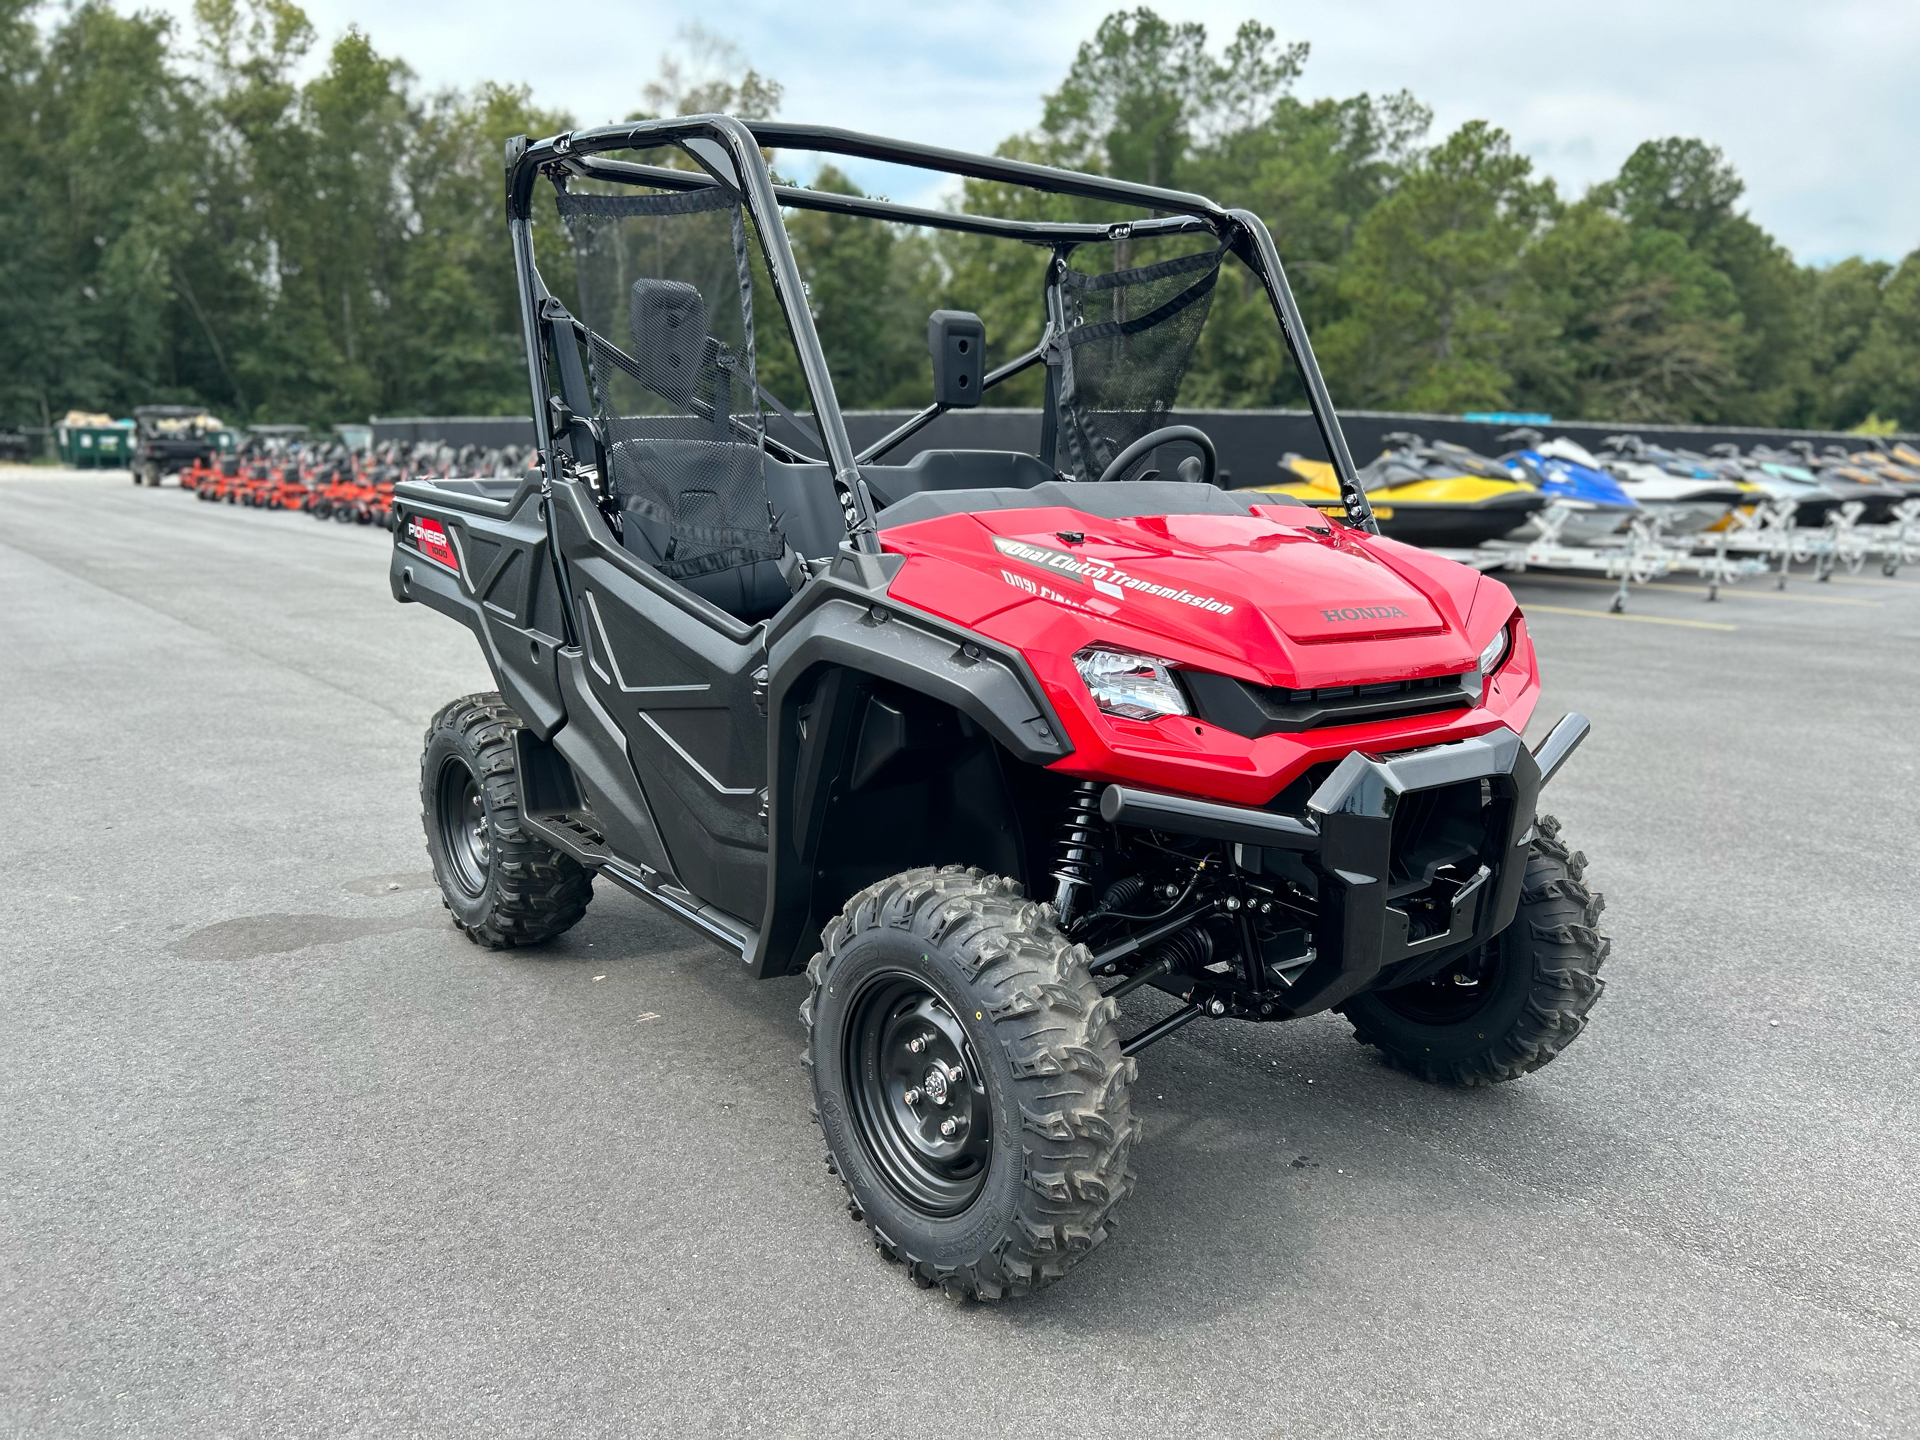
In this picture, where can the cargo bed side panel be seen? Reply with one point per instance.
(477, 550)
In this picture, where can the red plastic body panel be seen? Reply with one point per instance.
(1279, 598)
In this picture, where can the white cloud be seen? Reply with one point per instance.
(1817, 105)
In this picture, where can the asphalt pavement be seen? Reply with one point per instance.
(282, 1154)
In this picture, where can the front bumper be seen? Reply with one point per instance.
(1346, 839)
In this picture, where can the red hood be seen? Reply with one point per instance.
(1280, 596)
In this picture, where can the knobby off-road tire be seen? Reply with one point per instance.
(1532, 985)
(502, 886)
(994, 990)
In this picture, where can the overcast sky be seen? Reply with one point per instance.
(1818, 105)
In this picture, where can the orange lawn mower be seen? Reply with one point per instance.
(205, 470)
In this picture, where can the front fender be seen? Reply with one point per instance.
(823, 658)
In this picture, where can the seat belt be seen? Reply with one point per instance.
(574, 409)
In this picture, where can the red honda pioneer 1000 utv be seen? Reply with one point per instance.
(983, 740)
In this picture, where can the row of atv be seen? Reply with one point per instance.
(1442, 494)
(331, 481)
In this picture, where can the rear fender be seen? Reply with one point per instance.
(477, 550)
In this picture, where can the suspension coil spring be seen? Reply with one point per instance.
(1079, 843)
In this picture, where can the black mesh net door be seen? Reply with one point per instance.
(1129, 337)
(667, 299)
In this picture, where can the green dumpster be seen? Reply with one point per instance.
(94, 442)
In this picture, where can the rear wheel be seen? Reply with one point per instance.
(1512, 1005)
(968, 1077)
(503, 886)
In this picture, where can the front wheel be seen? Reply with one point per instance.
(968, 1077)
(503, 886)
(1512, 1005)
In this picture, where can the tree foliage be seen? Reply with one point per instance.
(227, 212)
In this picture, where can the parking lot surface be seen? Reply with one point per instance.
(282, 1153)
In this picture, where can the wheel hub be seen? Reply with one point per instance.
(920, 1109)
(936, 1082)
(1455, 994)
(465, 834)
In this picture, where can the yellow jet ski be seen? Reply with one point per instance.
(1440, 496)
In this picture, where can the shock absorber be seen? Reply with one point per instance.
(1079, 843)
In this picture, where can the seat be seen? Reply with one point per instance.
(697, 472)
(692, 493)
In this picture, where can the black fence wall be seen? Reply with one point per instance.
(1252, 443)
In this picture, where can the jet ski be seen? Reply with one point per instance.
(1686, 503)
(1598, 504)
(1870, 465)
(1429, 495)
(1877, 497)
(1906, 455)
(1885, 463)
(1812, 501)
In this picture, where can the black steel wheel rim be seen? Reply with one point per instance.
(919, 1101)
(464, 833)
(1455, 993)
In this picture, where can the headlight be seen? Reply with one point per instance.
(1495, 654)
(1135, 686)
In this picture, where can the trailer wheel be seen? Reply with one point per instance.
(1512, 1005)
(968, 1078)
(503, 886)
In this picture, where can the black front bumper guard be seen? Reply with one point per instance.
(1346, 839)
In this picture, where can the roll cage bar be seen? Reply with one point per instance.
(727, 150)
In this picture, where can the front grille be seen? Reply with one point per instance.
(1256, 710)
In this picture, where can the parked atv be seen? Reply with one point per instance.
(985, 740)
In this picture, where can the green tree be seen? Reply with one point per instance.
(193, 220)
(1688, 188)
(1436, 296)
(1882, 378)
(102, 145)
(1143, 91)
(870, 289)
(1632, 324)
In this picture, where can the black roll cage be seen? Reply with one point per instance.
(728, 152)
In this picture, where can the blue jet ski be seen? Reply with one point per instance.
(1600, 504)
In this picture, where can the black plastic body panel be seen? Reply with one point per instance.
(1364, 935)
(876, 779)
(595, 749)
(1360, 933)
(503, 588)
(837, 649)
(676, 677)
(1256, 710)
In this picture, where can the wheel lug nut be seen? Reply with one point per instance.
(948, 1126)
(917, 1044)
(912, 1097)
(955, 1074)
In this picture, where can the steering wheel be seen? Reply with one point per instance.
(1166, 435)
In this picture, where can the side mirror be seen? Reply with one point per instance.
(957, 340)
